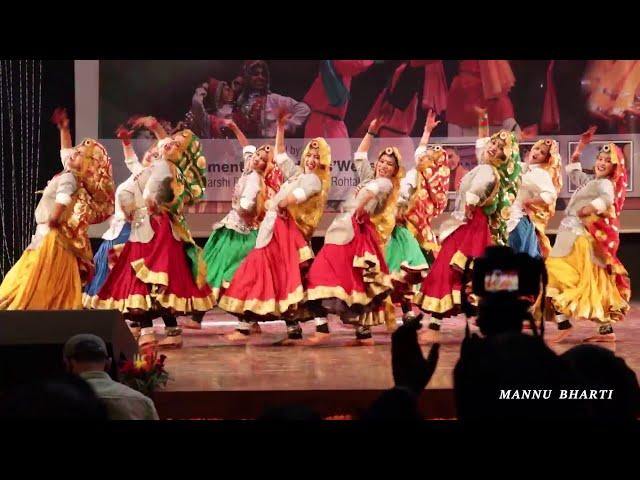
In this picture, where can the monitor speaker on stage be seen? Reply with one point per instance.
(31, 341)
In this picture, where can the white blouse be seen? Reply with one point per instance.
(598, 193)
(299, 184)
(118, 219)
(536, 183)
(245, 195)
(58, 190)
(340, 232)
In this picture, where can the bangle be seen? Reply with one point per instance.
(371, 133)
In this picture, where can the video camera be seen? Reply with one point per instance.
(502, 280)
(502, 271)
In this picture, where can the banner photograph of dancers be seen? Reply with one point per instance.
(320, 239)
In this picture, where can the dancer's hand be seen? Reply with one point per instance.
(284, 116)
(282, 208)
(586, 211)
(410, 369)
(587, 137)
(124, 134)
(431, 122)
(144, 122)
(527, 133)
(60, 118)
(374, 126)
(359, 213)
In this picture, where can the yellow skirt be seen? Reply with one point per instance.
(581, 289)
(47, 278)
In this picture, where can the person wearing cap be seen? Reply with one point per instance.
(86, 355)
(220, 96)
(257, 108)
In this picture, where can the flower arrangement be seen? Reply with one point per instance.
(144, 373)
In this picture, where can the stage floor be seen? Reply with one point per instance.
(214, 378)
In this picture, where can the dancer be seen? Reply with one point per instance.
(329, 96)
(398, 101)
(535, 203)
(484, 83)
(209, 123)
(413, 245)
(257, 108)
(586, 278)
(268, 285)
(119, 228)
(235, 235)
(480, 218)
(50, 273)
(160, 271)
(349, 277)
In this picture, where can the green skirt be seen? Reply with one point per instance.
(402, 247)
(224, 252)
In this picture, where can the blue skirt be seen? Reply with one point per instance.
(523, 238)
(101, 261)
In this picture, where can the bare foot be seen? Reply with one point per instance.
(361, 342)
(318, 338)
(191, 324)
(429, 336)
(236, 336)
(599, 338)
(135, 331)
(288, 342)
(255, 329)
(148, 341)
(560, 336)
(174, 341)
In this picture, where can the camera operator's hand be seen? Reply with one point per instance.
(410, 369)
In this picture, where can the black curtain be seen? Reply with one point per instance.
(29, 145)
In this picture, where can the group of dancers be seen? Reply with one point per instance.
(380, 251)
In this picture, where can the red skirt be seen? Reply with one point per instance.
(352, 279)
(440, 290)
(154, 274)
(268, 283)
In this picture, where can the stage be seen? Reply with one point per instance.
(212, 378)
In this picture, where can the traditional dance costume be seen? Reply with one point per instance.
(423, 196)
(535, 204)
(480, 219)
(410, 81)
(349, 277)
(160, 270)
(329, 96)
(114, 238)
(485, 84)
(268, 285)
(586, 278)
(50, 273)
(235, 235)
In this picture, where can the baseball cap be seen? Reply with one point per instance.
(85, 346)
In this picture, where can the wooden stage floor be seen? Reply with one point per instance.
(213, 378)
